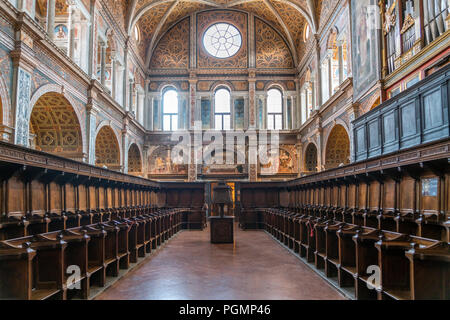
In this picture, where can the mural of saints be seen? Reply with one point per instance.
(281, 162)
(161, 163)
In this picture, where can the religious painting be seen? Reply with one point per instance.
(162, 163)
(430, 187)
(365, 53)
(61, 32)
(282, 161)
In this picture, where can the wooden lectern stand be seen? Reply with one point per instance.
(222, 229)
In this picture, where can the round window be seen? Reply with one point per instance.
(222, 40)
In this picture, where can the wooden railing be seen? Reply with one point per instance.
(418, 115)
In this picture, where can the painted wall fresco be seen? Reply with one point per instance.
(107, 151)
(282, 162)
(162, 163)
(365, 48)
(134, 160)
(173, 49)
(271, 50)
(56, 128)
(338, 148)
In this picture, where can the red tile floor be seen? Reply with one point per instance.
(189, 267)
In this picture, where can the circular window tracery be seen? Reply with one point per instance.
(222, 40)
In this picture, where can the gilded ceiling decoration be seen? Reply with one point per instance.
(148, 24)
(288, 17)
(173, 49)
(294, 22)
(55, 126)
(338, 148)
(271, 50)
(61, 7)
(118, 9)
(311, 158)
(134, 160)
(107, 152)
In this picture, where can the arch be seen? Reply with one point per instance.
(338, 148)
(168, 86)
(276, 85)
(222, 85)
(311, 158)
(55, 128)
(107, 150)
(54, 88)
(134, 160)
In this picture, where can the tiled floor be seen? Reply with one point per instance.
(190, 268)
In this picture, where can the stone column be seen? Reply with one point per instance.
(114, 68)
(264, 124)
(125, 147)
(92, 58)
(293, 112)
(192, 101)
(130, 95)
(285, 112)
(147, 111)
(22, 105)
(246, 122)
(341, 64)
(91, 112)
(301, 161)
(330, 77)
(103, 64)
(125, 79)
(23, 66)
(318, 75)
(71, 42)
(51, 7)
(252, 100)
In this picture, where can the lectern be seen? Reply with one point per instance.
(222, 226)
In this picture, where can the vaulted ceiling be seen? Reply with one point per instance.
(154, 17)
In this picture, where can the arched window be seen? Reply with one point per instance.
(222, 110)
(274, 110)
(306, 33)
(137, 34)
(170, 110)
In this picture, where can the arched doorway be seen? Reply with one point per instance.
(107, 151)
(134, 160)
(311, 158)
(338, 148)
(54, 127)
